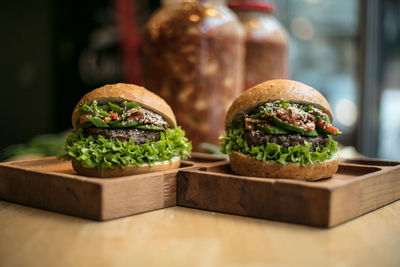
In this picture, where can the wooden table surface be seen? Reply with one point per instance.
(186, 237)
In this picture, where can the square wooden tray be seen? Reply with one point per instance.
(360, 186)
(53, 185)
(204, 182)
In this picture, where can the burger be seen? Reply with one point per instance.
(281, 129)
(124, 129)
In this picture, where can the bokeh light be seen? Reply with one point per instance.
(302, 28)
(346, 112)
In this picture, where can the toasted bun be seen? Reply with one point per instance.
(273, 90)
(128, 92)
(245, 165)
(129, 170)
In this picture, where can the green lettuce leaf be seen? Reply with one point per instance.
(112, 153)
(234, 141)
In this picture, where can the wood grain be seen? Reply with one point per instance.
(355, 190)
(181, 236)
(53, 185)
(204, 182)
(70, 195)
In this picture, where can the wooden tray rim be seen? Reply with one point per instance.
(313, 184)
(94, 180)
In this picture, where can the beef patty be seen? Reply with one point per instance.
(257, 138)
(139, 136)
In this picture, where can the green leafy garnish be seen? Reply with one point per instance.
(102, 153)
(130, 105)
(105, 107)
(271, 129)
(96, 113)
(262, 110)
(326, 119)
(318, 116)
(115, 108)
(149, 127)
(235, 142)
(103, 114)
(97, 122)
(121, 124)
(290, 127)
(308, 108)
(284, 103)
(84, 108)
(257, 115)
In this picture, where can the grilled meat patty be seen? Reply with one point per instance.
(257, 138)
(139, 136)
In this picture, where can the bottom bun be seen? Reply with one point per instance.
(128, 170)
(245, 165)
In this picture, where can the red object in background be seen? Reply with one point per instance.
(130, 41)
(252, 6)
(266, 42)
(194, 58)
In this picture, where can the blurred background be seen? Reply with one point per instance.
(53, 52)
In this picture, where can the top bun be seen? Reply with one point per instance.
(120, 92)
(272, 90)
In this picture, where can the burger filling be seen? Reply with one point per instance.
(111, 135)
(258, 138)
(119, 115)
(139, 136)
(284, 132)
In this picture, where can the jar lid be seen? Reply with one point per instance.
(251, 6)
